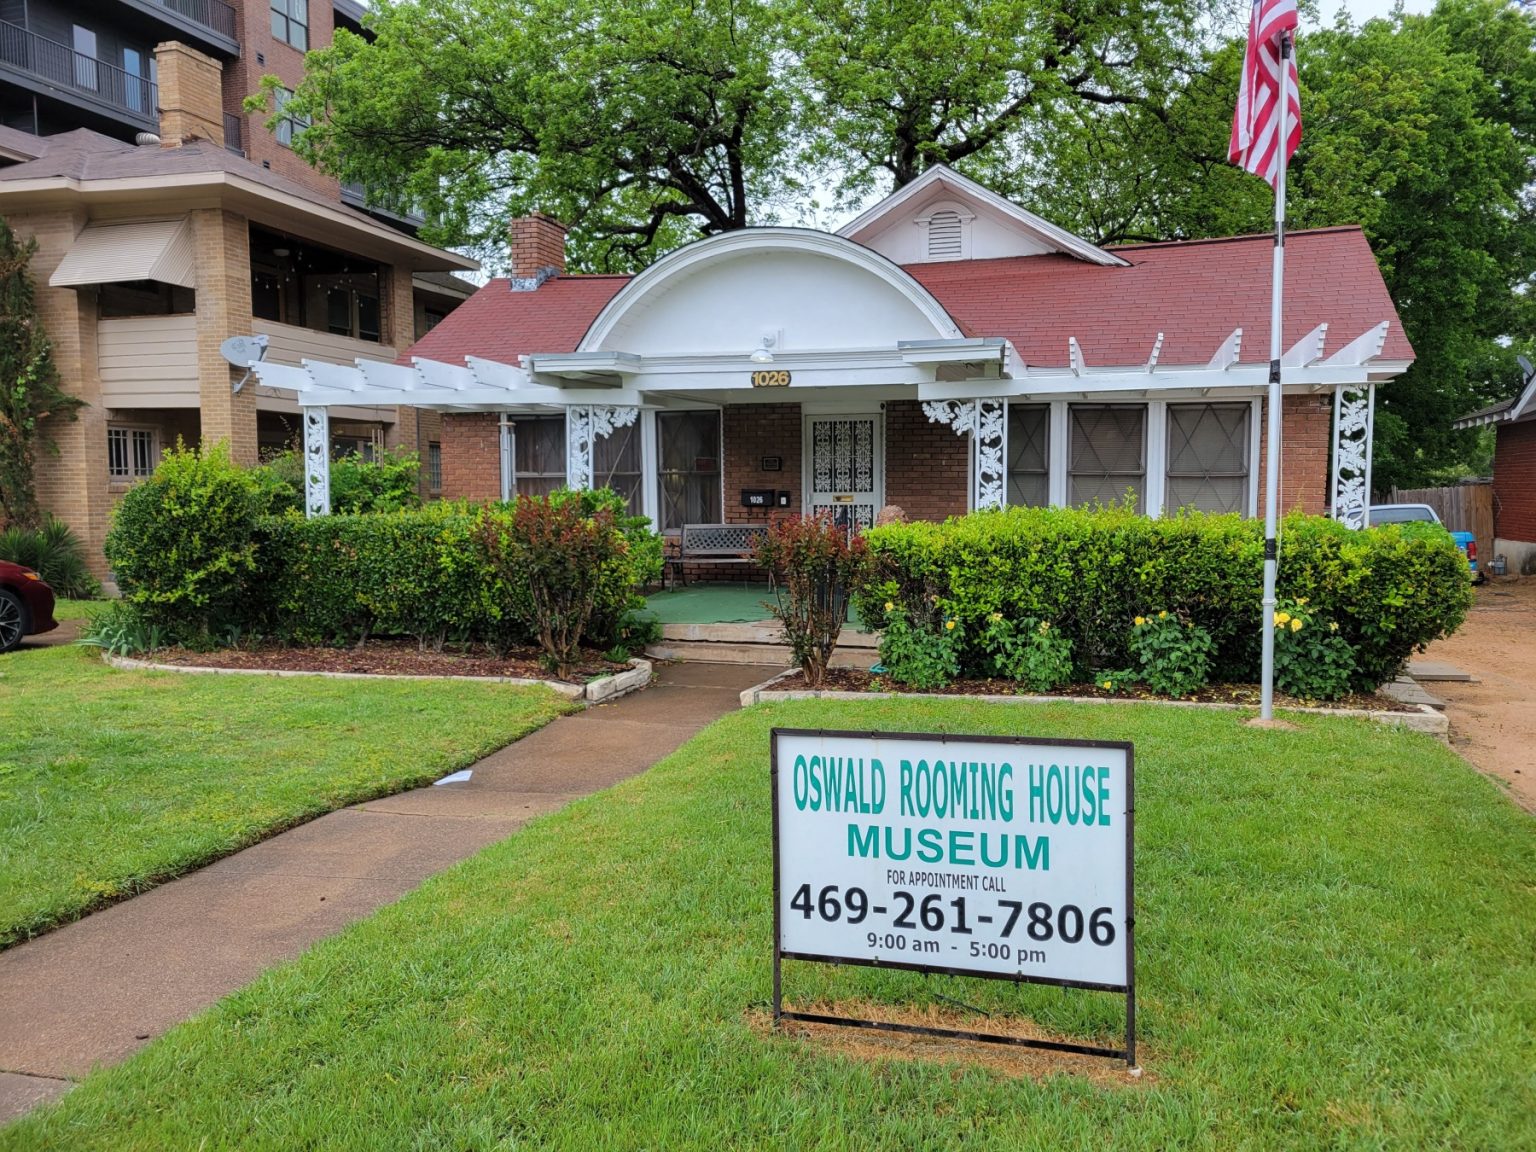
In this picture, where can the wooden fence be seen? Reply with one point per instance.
(1462, 508)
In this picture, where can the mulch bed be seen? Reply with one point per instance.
(388, 658)
(856, 680)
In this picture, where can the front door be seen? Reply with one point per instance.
(844, 467)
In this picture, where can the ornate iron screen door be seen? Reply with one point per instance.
(845, 467)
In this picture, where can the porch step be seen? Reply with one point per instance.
(772, 655)
(755, 632)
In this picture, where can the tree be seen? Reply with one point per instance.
(29, 385)
(639, 124)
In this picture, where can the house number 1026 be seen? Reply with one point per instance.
(777, 378)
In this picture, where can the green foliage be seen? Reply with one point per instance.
(568, 558)
(387, 483)
(816, 568)
(923, 654)
(30, 394)
(1312, 661)
(55, 553)
(1391, 590)
(1030, 651)
(1172, 656)
(122, 629)
(182, 545)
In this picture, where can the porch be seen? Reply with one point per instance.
(731, 624)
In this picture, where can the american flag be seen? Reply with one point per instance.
(1255, 124)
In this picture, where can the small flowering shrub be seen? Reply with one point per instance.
(816, 567)
(1030, 651)
(917, 656)
(1312, 661)
(1173, 656)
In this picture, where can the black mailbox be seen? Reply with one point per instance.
(758, 497)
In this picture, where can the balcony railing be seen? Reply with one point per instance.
(359, 195)
(213, 14)
(60, 65)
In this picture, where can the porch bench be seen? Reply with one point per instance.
(717, 544)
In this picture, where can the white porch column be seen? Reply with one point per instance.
(1354, 418)
(986, 421)
(317, 460)
(585, 424)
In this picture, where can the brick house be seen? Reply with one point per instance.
(946, 350)
(1514, 475)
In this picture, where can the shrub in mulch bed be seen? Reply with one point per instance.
(392, 658)
(856, 680)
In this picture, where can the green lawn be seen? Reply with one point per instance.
(112, 781)
(77, 609)
(1337, 949)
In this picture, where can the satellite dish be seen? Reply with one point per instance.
(244, 352)
(1525, 366)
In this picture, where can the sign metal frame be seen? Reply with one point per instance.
(1127, 1053)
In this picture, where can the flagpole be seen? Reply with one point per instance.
(1272, 458)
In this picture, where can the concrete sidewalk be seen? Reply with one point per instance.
(95, 991)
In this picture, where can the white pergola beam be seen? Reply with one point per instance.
(1308, 350)
(1363, 348)
(1226, 356)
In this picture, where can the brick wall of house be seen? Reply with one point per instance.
(471, 456)
(751, 432)
(1514, 482)
(1306, 439)
(927, 466)
(221, 241)
(261, 54)
(191, 105)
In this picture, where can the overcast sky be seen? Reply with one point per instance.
(1362, 10)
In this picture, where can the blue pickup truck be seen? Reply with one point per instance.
(1410, 513)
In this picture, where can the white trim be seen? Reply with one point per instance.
(1057, 448)
(1255, 423)
(1154, 498)
(686, 259)
(965, 188)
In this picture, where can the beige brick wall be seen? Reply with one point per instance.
(222, 241)
(191, 98)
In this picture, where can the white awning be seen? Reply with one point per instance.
(144, 250)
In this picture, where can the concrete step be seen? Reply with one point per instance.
(755, 632)
(769, 655)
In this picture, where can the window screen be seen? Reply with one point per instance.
(690, 468)
(616, 464)
(1028, 456)
(539, 455)
(434, 467)
(131, 453)
(1108, 452)
(1208, 456)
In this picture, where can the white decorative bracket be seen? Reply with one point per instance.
(1354, 408)
(317, 461)
(1230, 349)
(585, 424)
(986, 421)
(1157, 350)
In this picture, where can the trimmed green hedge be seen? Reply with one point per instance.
(1391, 590)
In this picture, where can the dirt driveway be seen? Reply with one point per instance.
(1493, 723)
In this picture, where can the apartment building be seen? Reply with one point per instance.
(169, 219)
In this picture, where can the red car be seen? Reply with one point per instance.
(26, 605)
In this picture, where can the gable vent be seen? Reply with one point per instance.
(945, 235)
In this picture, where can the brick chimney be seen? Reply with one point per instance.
(191, 100)
(538, 250)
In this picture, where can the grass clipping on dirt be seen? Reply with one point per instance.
(1336, 944)
(112, 782)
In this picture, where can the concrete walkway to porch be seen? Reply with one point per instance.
(93, 992)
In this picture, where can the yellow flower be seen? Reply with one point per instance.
(889, 606)
(1162, 615)
(949, 625)
(1109, 685)
(1140, 620)
(1045, 626)
(1282, 617)
(1301, 600)
(996, 617)
(1333, 625)
(1296, 624)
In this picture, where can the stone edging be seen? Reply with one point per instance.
(1416, 717)
(594, 692)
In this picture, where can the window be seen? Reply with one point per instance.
(290, 22)
(1208, 456)
(131, 452)
(1029, 467)
(538, 447)
(351, 312)
(1108, 452)
(145, 298)
(690, 468)
(616, 464)
(434, 467)
(84, 42)
(289, 128)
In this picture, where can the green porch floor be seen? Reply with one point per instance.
(712, 604)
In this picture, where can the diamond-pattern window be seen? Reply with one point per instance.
(1208, 456)
(1108, 457)
(616, 464)
(690, 468)
(1028, 455)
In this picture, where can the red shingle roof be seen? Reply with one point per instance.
(1194, 292)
